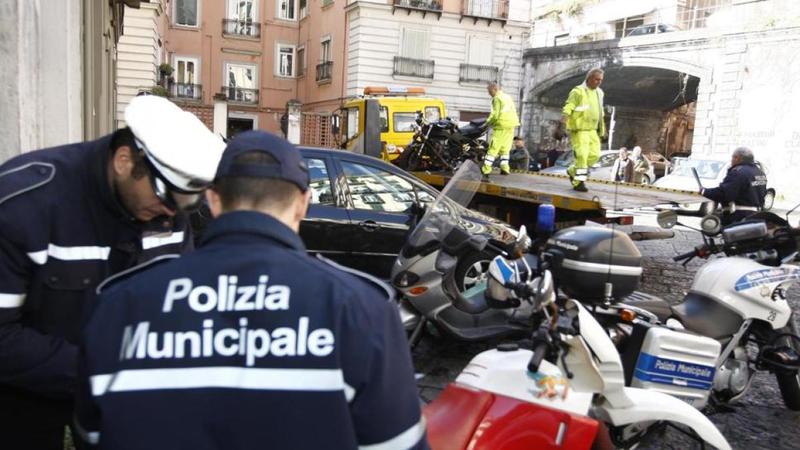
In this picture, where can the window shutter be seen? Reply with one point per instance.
(416, 44)
(480, 51)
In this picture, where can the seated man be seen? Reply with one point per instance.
(519, 155)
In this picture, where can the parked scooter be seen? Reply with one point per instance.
(443, 145)
(557, 395)
(426, 278)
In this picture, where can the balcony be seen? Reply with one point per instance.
(423, 6)
(422, 68)
(241, 95)
(241, 28)
(470, 73)
(489, 10)
(186, 91)
(324, 71)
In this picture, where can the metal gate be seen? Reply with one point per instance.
(316, 130)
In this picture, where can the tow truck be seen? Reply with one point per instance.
(514, 198)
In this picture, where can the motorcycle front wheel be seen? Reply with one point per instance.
(789, 382)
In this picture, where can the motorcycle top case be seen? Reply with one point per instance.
(586, 258)
(677, 363)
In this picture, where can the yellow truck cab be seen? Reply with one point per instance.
(393, 121)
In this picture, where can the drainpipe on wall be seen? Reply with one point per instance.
(221, 115)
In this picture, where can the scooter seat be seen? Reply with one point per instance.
(454, 416)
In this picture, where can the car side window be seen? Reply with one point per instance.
(319, 182)
(376, 189)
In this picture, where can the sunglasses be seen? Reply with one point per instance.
(170, 195)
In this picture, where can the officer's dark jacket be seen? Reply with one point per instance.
(246, 343)
(62, 231)
(744, 185)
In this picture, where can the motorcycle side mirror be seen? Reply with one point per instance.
(667, 219)
(545, 290)
(710, 225)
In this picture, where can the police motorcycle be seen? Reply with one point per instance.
(442, 144)
(567, 391)
(425, 270)
(737, 299)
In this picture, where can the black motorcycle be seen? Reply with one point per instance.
(443, 145)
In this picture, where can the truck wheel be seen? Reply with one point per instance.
(789, 382)
(646, 180)
(472, 269)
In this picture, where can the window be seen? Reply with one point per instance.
(187, 72)
(285, 61)
(242, 10)
(287, 9)
(301, 61)
(186, 13)
(384, 118)
(319, 182)
(562, 39)
(303, 8)
(415, 44)
(351, 125)
(480, 50)
(377, 190)
(241, 83)
(404, 122)
(325, 50)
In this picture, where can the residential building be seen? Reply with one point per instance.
(263, 57)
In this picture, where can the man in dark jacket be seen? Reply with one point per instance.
(742, 191)
(248, 342)
(69, 217)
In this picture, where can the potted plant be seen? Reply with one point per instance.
(165, 69)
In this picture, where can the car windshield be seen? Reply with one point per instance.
(705, 169)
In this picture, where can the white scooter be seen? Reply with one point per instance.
(553, 396)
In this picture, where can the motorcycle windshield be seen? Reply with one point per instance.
(443, 214)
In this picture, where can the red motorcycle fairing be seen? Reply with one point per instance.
(462, 417)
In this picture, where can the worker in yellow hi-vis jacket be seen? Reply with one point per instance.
(583, 115)
(503, 119)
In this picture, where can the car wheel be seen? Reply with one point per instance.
(473, 268)
(769, 200)
(646, 179)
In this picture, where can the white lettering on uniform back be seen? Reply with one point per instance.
(176, 290)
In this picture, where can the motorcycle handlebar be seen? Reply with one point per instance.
(539, 351)
(685, 255)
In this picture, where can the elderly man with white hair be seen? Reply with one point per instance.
(742, 191)
(640, 165)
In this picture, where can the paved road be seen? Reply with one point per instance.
(759, 421)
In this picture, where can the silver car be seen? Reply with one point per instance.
(601, 170)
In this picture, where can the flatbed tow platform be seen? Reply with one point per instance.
(509, 197)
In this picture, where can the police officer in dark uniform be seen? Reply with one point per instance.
(742, 191)
(69, 217)
(249, 342)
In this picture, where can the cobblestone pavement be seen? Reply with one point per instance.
(759, 421)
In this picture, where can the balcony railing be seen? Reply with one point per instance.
(242, 28)
(324, 71)
(425, 6)
(470, 73)
(422, 68)
(485, 9)
(241, 95)
(187, 91)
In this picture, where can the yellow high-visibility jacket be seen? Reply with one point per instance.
(584, 110)
(504, 113)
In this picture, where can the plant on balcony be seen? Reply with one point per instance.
(165, 69)
(160, 91)
(436, 5)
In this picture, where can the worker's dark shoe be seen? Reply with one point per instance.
(504, 172)
(571, 178)
(581, 187)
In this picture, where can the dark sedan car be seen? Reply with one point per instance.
(361, 209)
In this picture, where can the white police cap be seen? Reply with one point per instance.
(177, 144)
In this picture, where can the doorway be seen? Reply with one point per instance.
(237, 125)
